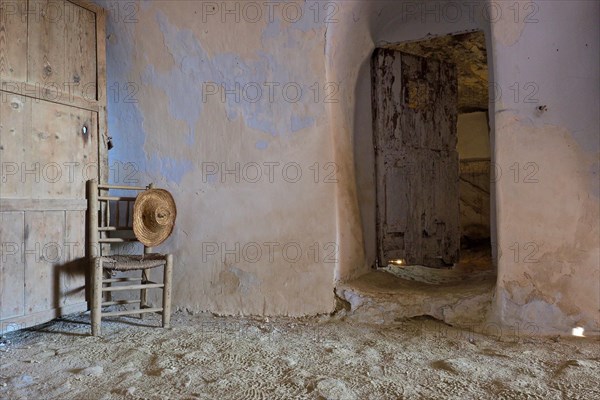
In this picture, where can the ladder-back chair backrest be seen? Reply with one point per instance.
(110, 213)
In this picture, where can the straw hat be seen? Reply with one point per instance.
(154, 215)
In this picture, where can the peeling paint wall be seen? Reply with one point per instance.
(223, 105)
(550, 211)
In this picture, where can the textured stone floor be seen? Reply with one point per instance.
(205, 357)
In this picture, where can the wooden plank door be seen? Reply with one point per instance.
(417, 173)
(52, 139)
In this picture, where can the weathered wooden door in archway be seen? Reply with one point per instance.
(414, 122)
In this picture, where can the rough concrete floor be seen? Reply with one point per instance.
(205, 357)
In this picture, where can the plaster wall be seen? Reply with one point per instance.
(555, 212)
(223, 105)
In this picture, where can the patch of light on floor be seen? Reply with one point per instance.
(398, 261)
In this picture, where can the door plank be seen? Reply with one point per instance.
(44, 238)
(12, 266)
(80, 66)
(46, 54)
(73, 270)
(44, 151)
(67, 155)
(15, 144)
(13, 40)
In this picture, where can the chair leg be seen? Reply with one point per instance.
(96, 296)
(168, 273)
(109, 284)
(144, 293)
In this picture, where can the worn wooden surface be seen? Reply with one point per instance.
(13, 40)
(73, 271)
(414, 122)
(80, 71)
(50, 51)
(12, 267)
(52, 138)
(62, 47)
(44, 239)
(46, 55)
(45, 153)
(15, 140)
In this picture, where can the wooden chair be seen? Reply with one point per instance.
(104, 264)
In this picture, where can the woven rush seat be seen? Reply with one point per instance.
(133, 262)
